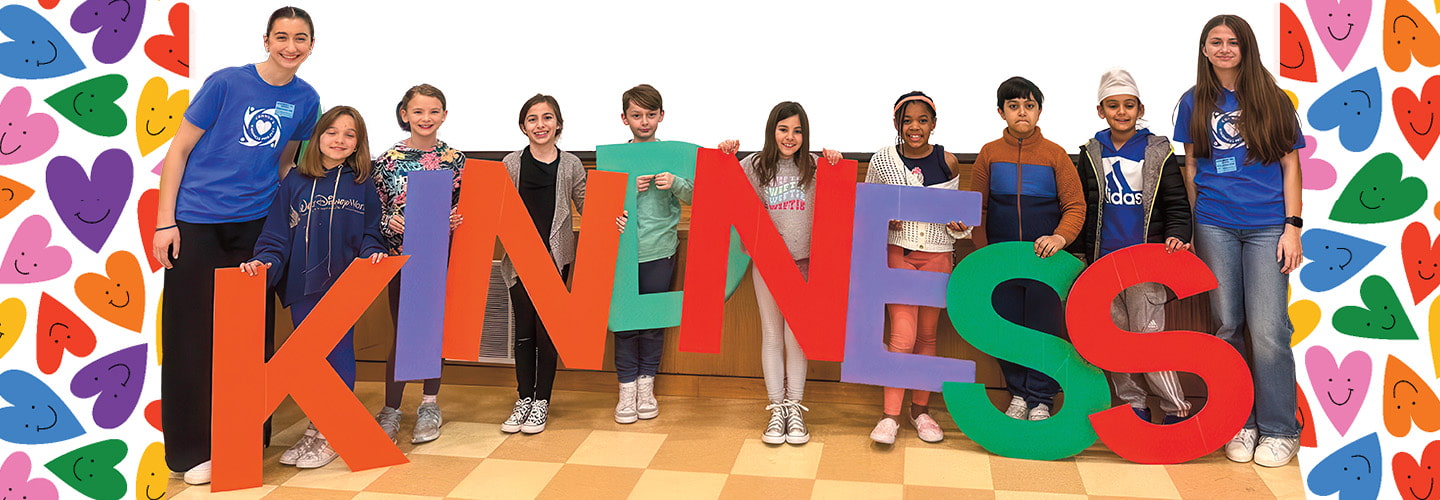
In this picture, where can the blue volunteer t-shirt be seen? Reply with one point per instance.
(232, 173)
(1231, 191)
(1123, 221)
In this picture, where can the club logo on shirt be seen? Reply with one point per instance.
(1225, 135)
(262, 128)
(1121, 174)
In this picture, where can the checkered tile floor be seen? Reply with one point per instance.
(710, 448)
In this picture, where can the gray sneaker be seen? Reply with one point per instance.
(293, 454)
(1276, 451)
(646, 407)
(427, 424)
(389, 420)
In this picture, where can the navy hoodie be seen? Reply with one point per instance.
(315, 227)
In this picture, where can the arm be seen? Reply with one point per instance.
(954, 164)
(1288, 253)
(167, 242)
(1085, 240)
(274, 239)
(287, 157)
(577, 186)
(682, 188)
(1175, 203)
(1072, 208)
(371, 244)
(980, 183)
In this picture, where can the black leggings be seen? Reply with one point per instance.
(395, 391)
(535, 355)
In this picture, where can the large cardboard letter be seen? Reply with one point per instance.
(576, 318)
(971, 288)
(245, 392)
(629, 310)
(421, 318)
(724, 199)
(873, 284)
(1101, 342)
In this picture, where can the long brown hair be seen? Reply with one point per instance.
(1267, 120)
(767, 163)
(311, 162)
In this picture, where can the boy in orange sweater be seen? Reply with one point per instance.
(1030, 191)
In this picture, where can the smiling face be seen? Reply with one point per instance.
(1408, 400)
(424, 115)
(1120, 113)
(915, 125)
(158, 114)
(35, 414)
(540, 125)
(91, 469)
(152, 477)
(23, 136)
(1222, 48)
(642, 122)
(789, 136)
(289, 43)
(35, 48)
(338, 141)
(119, 295)
(115, 381)
(1021, 116)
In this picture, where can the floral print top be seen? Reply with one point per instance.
(391, 168)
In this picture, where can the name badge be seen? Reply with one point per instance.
(1226, 165)
(284, 109)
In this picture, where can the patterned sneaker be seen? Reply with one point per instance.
(625, 409)
(1241, 448)
(427, 424)
(389, 420)
(517, 416)
(646, 407)
(795, 431)
(1276, 451)
(295, 452)
(927, 428)
(1018, 409)
(318, 455)
(775, 431)
(885, 431)
(539, 414)
(1040, 412)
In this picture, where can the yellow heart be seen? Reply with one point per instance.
(12, 321)
(158, 114)
(1294, 100)
(1305, 315)
(153, 476)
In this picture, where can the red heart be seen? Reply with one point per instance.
(172, 52)
(1303, 415)
(1417, 479)
(1422, 260)
(1297, 59)
(152, 414)
(49, 4)
(145, 212)
(1416, 115)
(59, 330)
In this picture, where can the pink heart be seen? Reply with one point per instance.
(1340, 25)
(1339, 389)
(1316, 174)
(29, 259)
(158, 166)
(24, 136)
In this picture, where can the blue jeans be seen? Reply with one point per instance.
(342, 358)
(1252, 295)
(637, 352)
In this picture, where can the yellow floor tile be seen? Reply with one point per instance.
(503, 479)
(760, 459)
(464, 439)
(1047, 476)
(1106, 477)
(203, 492)
(665, 484)
(291, 493)
(697, 452)
(553, 445)
(336, 476)
(1036, 495)
(826, 489)
(936, 493)
(425, 475)
(1284, 482)
(948, 468)
(618, 449)
(591, 482)
(1214, 476)
(854, 457)
(371, 495)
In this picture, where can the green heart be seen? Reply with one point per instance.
(91, 105)
(1383, 317)
(1378, 193)
(91, 470)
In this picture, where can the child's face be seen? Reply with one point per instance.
(1222, 48)
(1121, 112)
(424, 114)
(789, 136)
(1021, 115)
(540, 125)
(916, 124)
(289, 42)
(642, 122)
(338, 141)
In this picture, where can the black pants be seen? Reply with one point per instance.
(535, 355)
(395, 391)
(188, 334)
(1035, 305)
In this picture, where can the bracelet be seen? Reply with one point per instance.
(172, 226)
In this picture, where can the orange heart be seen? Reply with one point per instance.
(119, 297)
(1408, 399)
(12, 194)
(1409, 35)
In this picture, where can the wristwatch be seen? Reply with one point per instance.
(1295, 221)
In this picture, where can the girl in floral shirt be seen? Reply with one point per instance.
(420, 112)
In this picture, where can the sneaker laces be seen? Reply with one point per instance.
(537, 412)
(522, 409)
(778, 413)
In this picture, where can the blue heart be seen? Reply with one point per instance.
(115, 382)
(36, 414)
(1354, 106)
(1335, 258)
(1354, 470)
(36, 50)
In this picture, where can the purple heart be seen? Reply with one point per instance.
(31, 258)
(90, 206)
(115, 382)
(1340, 389)
(118, 22)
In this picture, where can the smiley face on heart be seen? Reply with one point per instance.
(1416, 115)
(91, 106)
(1341, 388)
(16, 482)
(1353, 471)
(35, 415)
(1421, 258)
(1318, 173)
(90, 205)
(145, 213)
(118, 297)
(1340, 24)
(1416, 480)
(172, 52)
(153, 476)
(36, 50)
(116, 23)
(1335, 257)
(1383, 317)
(1409, 35)
(90, 469)
(115, 382)
(158, 114)
(1379, 192)
(1354, 106)
(1408, 399)
(1297, 61)
(57, 330)
(31, 258)
(12, 322)
(24, 136)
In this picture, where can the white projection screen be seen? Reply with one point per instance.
(721, 66)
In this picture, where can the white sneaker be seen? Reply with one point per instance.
(198, 475)
(517, 416)
(625, 410)
(795, 430)
(927, 428)
(1018, 409)
(539, 415)
(1241, 448)
(318, 455)
(295, 452)
(1276, 451)
(389, 420)
(1040, 412)
(427, 424)
(775, 430)
(646, 407)
(885, 431)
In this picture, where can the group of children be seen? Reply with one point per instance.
(303, 229)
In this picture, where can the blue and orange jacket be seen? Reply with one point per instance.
(1028, 188)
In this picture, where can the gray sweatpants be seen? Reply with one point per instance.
(1141, 308)
(781, 360)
